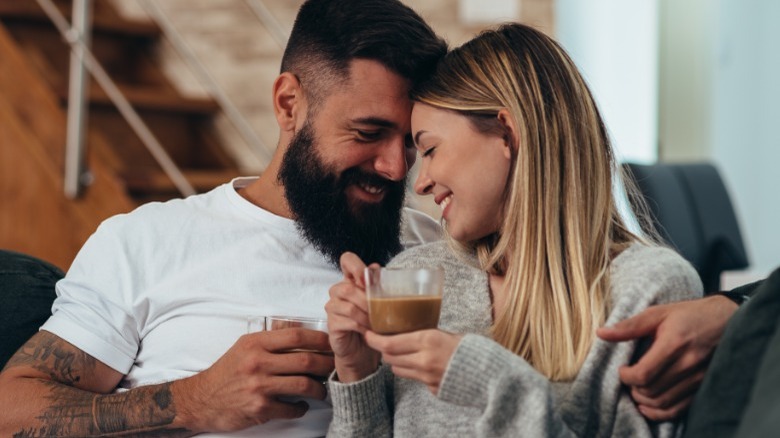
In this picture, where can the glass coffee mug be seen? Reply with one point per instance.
(402, 300)
(279, 322)
(276, 322)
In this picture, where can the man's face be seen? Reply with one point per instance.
(344, 170)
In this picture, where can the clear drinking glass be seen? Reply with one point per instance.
(403, 300)
(276, 322)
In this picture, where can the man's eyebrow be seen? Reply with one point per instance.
(376, 121)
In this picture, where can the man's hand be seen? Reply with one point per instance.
(348, 321)
(243, 388)
(684, 336)
(50, 387)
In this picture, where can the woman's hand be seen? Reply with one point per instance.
(347, 322)
(422, 355)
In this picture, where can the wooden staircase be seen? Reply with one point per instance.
(34, 62)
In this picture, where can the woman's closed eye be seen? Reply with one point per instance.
(428, 152)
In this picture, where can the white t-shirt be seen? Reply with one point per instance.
(161, 293)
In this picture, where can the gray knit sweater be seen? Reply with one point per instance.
(489, 391)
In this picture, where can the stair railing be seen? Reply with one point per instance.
(78, 42)
(76, 175)
(78, 37)
(184, 50)
(270, 23)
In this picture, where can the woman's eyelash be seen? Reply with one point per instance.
(428, 151)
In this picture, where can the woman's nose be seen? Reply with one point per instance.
(424, 184)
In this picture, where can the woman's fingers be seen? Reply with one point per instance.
(352, 267)
(421, 355)
(394, 344)
(341, 322)
(347, 310)
(346, 291)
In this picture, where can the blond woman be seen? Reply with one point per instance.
(515, 152)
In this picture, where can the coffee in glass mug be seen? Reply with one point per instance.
(403, 300)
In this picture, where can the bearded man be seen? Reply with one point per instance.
(149, 331)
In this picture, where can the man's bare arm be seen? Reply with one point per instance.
(51, 388)
(685, 334)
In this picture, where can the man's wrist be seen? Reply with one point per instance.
(738, 298)
(181, 391)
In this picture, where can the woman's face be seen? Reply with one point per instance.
(463, 169)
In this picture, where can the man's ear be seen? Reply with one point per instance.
(511, 137)
(289, 102)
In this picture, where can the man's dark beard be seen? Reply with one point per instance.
(323, 213)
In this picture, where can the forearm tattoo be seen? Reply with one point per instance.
(143, 411)
(51, 355)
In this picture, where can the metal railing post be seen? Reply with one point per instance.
(206, 79)
(270, 23)
(120, 101)
(76, 176)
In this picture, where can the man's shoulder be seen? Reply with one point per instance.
(418, 228)
(156, 218)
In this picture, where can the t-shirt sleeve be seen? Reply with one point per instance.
(418, 228)
(92, 310)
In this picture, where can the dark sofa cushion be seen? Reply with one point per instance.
(723, 397)
(26, 296)
(762, 415)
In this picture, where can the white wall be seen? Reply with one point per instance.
(686, 59)
(480, 12)
(720, 95)
(746, 120)
(615, 45)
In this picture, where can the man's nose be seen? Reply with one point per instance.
(391, 160)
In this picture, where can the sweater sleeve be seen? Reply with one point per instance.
(362, 408)
(514, 398)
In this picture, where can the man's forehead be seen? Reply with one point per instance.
(368, 71)
(370, 81)
(346, 110)
(374, 95)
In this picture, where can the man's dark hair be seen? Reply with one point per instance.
(329, 34)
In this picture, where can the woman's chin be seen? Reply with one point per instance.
(464, 236)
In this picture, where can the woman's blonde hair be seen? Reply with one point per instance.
(560, 223)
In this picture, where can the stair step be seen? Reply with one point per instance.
(156, 181)
(125, 47)
(149, 98)
(103, 20)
